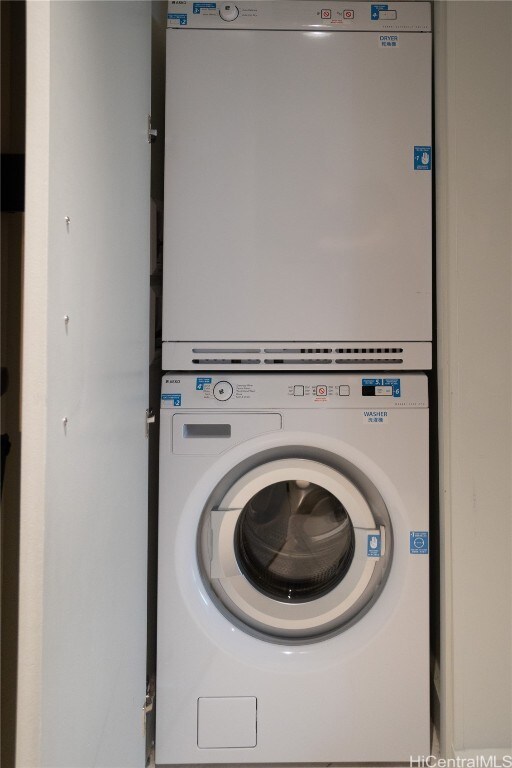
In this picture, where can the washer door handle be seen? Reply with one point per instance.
(223, 563)
(380, 531)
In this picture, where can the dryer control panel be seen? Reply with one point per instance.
(336, 15)
(217, 391)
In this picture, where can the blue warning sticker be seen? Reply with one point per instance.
(174, 398)
(422, 158)
(379, 387)
(201, 381)
(394, 384)
(375, 11)
(198, 7)
(418, 542)
(181, 18)
(374, 545)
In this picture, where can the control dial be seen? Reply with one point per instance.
(228, 12)
(222, 390)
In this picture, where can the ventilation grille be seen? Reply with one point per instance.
(371, 350)
(207, 361)
(290, 356)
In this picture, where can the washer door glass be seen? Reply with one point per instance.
(294, 541)
(292, 550)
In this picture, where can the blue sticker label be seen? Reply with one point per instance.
(374, 545)
(201, 381)
(181, 17)
(376, 9)
(394, 384)
(197, 7)
(418, 542)
(175, 399)
(389, 382)
(422, 158)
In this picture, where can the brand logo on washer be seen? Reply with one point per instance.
(173, 381)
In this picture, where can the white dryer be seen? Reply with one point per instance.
(293, 569)
(297, 227)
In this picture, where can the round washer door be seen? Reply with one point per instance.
(293, 550)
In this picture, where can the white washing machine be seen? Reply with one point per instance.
(293, 569)
(298, 196)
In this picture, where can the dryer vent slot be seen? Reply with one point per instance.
(370, 351)
(368, 360)
(298, 351)
(223, 351)
(301, 361)
(206, 361)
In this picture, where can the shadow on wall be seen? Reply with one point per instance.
(13, 177)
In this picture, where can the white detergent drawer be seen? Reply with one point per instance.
(208, 434)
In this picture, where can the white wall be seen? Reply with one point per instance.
(84, 485)
(473, 52)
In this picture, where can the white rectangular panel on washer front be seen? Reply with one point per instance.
(298, 182)
(226, 722)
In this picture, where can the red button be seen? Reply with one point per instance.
(326, 13)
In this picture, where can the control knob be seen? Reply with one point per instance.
(222, 390)
(228, 12)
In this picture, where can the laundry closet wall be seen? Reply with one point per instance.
(82, 652)
(473, 56)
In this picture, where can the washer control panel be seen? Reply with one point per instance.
(294, 390)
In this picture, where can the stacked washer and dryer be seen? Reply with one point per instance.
(293, 607)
